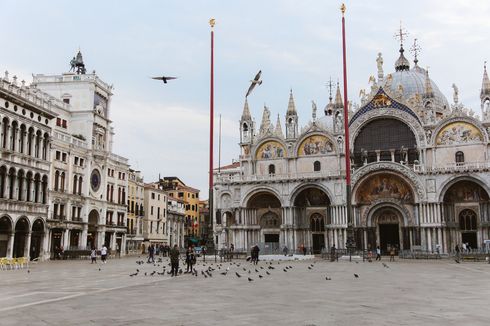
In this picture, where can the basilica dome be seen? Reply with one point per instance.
(413, 82)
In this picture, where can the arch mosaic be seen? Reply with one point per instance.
(458, 132)
(315, 145)
(383, 186)
(400, 170)
(470, 196)
(269, 150)
(377, 205)
(465, 122)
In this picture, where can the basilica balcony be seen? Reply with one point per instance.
(227, 179)
(454, 167)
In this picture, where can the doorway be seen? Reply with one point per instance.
(271, 243)
(389, 235)
(470, 238)
(318, 243)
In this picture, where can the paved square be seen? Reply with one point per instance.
(406, 293)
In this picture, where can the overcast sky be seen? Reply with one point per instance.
(163, 129)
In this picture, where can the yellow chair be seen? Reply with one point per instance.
(3, 265)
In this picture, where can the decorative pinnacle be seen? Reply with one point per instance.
(212, 22)
(415, 49)
(342, 8)
(330, 85)
(401, 34)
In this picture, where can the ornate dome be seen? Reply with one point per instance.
(412, 81)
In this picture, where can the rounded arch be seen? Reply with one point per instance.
(247, 198)
(301, 190)
(38, 225)
(388, 113)
(225, 199)
(264, 199)
(6, 224)
(453, 181)
(93, 217)
(389, 167)
(270, 220)
(22, 224)
(377, 207)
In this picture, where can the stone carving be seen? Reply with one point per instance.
(455, 93)
(315, 145)
(381, 100)
(313, 110)
(270, 150)
(457, 133)
(379, 63)
(266, 125)
(428, 134)
(338, 121)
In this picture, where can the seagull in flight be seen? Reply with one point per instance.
(164, 78)
(254, 82)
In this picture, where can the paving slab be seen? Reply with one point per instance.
(406, 292)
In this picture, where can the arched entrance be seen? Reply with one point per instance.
(464, 202)
(36, 238)
(5, 232)
(93, 221)
(265, 210)
(388, 222)
(312, 209)
(20, 238)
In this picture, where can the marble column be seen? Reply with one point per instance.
(27, 248)
(10, 245)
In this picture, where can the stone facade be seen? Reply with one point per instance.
(419, 172)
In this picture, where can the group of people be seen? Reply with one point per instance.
(103, 254)
(254, 254)
(190, 260)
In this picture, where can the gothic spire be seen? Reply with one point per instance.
(428, 86)
(278, 131)
(291, 105)
(485, 85)
(246, 111)
(266, 126)
(338, 104)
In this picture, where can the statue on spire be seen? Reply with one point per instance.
(77, 64)
(379, 62)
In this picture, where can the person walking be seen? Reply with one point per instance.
(103, 253)
(203, 251)
(378, 253)
(190, 259)
(392, 253)
(151, 252)
(174, 260)
(333, 251)
(285, 251)
(93, 255)
(456, 249)
(255, 254)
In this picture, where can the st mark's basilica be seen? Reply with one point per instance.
(419, 171)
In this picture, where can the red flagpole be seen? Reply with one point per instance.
(211, 139)
(350, 243)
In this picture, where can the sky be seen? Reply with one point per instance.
(164, 129)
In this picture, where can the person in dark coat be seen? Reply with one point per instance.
(255, 254)
(174, 260)
(151, 252)
(190, 259)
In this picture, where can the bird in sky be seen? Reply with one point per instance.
(164, 78)
(256, 81)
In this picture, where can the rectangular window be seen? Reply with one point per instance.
(63, 157)
(81, 162)
(158, 212)
(151, 210)
(64, 123)
(66, 100)
(152, 195)
(76, 160)
(58, 155)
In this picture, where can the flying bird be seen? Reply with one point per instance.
(256, 81)
(164, 78)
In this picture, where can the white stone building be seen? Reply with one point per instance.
(175, 221)
(88, 184)
(154, 222)
(420, 172)
(26, 121)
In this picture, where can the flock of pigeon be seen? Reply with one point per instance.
(238, 269)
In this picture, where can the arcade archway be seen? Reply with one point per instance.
(20, 238)
(37, 236)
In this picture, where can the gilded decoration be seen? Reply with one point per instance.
(381, 100)
(315, 145)
(457, 133)
(383, 186)
(270, 150)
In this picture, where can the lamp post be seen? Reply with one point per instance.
(350, 243)
(211, 134)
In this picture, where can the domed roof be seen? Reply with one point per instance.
(413, 82)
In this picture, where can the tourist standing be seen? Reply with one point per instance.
(93, 255)
(190, 259)
(392, 253)
(255, 254)
(203, 251)
(103, 253)
(333, 251)
(456, 249)
(151, 253)
(285, 251)
(174, 260)
(378, 253)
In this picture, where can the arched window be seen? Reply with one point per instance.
(459, 157)
(62, 181)
(467, 220)
(317, 223)
(245, 127)
(80, 182)
(75, 181)
(56, 180)
(272, 169)
(317, 166)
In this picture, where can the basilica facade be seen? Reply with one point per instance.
(419, 171)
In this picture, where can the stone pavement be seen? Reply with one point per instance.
(406, 293)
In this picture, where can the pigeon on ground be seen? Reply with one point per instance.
(309, 267)
(152, 273)
(356, 276)
(250, 280)
(146, 274)
(238, 274)
(223, 273)
(260, 276)
(285, 270)
(267, 273)
(328, 278)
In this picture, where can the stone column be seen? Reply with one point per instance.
(429, 239)
(66, 238)
(378, 155)
(123, 245)
(47, 245)
(10, 245)
(392, 152)
(27, 248)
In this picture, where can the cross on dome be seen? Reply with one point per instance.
(401, 34)
(415, 49)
